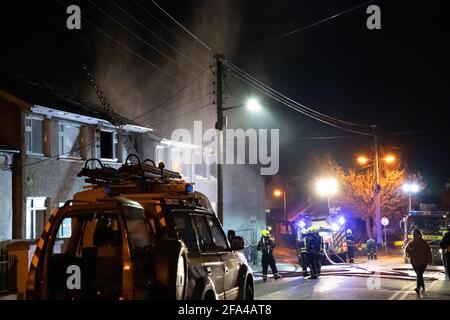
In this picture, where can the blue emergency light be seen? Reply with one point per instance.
(301, 224)
(189, 188)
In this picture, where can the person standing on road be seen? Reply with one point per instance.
(350, 246)
(445, 246)
(419, 252)
(371, 249)
(313, 247)
(266, 246)
(303, 255)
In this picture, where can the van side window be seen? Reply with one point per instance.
(206, 242)
(219, 239)
(184, 225)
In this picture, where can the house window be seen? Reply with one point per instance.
(35, 219)
(108, 145)
(34, 132)
(65, 229)
(69, 140)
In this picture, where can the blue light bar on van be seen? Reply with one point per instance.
(189, 188)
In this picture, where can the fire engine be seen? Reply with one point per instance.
(432, 224)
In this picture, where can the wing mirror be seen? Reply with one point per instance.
(230, 235)
(237, 243)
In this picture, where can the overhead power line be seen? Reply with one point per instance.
(92, 44)
(171, 99)
(296, 108)
(158, 37)
(182, 27)
(287, 34)
(141, 39)
(253, 79)
(201, 53)
(243, 76)
(125, 47)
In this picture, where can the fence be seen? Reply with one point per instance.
(8, 273)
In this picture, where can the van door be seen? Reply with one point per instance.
(212, 262)
(136, 253)
(232, 263)
(85, 263)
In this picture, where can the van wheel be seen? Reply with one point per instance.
(248, 293)
(171, 272)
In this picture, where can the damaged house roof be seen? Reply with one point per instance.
(49, 95)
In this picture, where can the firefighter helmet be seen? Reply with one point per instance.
(313, 229)
(265, 233)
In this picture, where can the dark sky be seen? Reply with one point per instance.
(396, 77)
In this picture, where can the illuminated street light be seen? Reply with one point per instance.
(278, 193)
(362, 160)
(253, 105)
(410, 188)
(390, 158)
(327, 187)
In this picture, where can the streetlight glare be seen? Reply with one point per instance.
(362, 160)
(390, 158)
(414, 188)
(411, 187)
(253, 105)
(277, 193)
(327, 186)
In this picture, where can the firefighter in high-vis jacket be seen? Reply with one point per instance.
(350, 246)
(302, 252)
(313, 249)
(266, 246)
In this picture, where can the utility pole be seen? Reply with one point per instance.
(219, 128)
(377, 189)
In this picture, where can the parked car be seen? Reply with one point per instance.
(138, 233)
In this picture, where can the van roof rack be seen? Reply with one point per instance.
(129, 172)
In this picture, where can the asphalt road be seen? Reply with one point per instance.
(387, 278)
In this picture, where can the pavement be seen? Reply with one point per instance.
(387, 278)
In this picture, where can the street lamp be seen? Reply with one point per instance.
(327, 187)
(278, 193)
(389, 159)
(410, 188)
(252, 104)
(362, 160)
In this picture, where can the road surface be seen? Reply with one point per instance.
(387, 278)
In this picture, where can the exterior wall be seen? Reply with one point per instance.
(244, 206)
(10, 130)
(5, 202)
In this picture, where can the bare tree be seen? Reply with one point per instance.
(357, 188)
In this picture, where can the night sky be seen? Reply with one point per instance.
(396, 77)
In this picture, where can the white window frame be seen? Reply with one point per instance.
(31, 216)
(29, 129)
(115, 140)
(61, 135)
